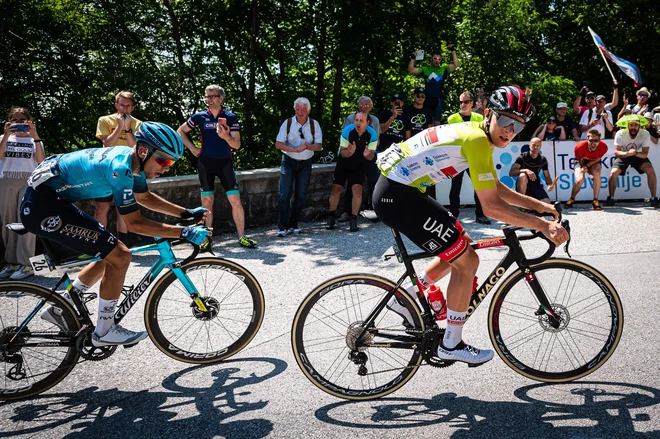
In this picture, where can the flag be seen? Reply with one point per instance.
(626, 67)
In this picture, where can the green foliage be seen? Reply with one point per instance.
(66, 59)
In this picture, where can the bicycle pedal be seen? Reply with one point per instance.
(477, 365)
(128, 346)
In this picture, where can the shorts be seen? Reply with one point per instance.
(635, 162)
(208, 169)
(536, 191)
(421, 218)
(45, 214)
(108, 199)
(434, 104)
(353, 173)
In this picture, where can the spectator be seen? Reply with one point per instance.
(527, 168)
(364, 104)
(116, 129)
(21, 150)
(550, 130)
(587, 161)
(590, 98)
(598, 117)
(642, 105)
(564, 120)
(416, 116)
(434, 78)
(220, 133)
(625, 110)
(631, 148)
(482, 103)
(392, 128)
(650, 127)
(357, 146)
(466, 102)
(298, 138)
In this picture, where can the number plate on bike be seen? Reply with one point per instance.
(40, 263)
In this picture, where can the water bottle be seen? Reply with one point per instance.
(437, 302)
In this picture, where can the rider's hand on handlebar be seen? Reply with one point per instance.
(547, 208)
(196, 234)
(555, 233)
(197, 213)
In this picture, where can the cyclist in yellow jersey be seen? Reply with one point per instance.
(435, 155)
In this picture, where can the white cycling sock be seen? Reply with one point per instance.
(77, 283)
(106, 316)
(424, 279)
(454, 331)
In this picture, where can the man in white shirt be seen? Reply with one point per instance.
(298, 138)
(597, 118)
(631, 148)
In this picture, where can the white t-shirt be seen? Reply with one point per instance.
(20, 158)
(625, 143)
(585, 120)
(294, 138)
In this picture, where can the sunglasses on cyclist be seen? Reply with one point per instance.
(162, 160)
(505, 121)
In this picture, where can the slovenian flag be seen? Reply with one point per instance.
(627, 67)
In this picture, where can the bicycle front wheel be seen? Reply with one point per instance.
(41, 354)
(590, 315)
(325, 336)
(235, 310)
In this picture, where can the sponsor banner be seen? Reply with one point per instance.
(561, 158)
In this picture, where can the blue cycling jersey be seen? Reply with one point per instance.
(213, 146)
(96, 173)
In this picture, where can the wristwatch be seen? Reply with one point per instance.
(130, 130)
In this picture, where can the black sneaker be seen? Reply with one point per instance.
(353, 225)
(610, 202)
(655, 202)
(482, 219)
(331, 223)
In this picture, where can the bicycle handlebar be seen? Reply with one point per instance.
(204, 247)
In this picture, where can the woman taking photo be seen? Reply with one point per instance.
(21, 151)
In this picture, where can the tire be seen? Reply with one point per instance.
(320, 338)
(590, 330)
(236, 310)
(44, 366)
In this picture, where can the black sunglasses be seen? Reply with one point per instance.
(301, 133)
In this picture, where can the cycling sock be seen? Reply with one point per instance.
(424, 279)
(77, 284)
(106, 316)
(454, 331)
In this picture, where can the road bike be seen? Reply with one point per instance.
(552, 320)
(201, 310)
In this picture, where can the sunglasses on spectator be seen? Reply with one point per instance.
(594, 140)
(590, 97)
(211, 96)
(162, 160)
(301, 133)
(420, 96)
(505, 121)
(18, 120)
(435, 57)
(465, 102)
(643, 95)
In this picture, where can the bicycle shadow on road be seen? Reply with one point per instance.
(581, 409)
(199, 402)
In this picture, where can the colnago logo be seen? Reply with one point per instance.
(216, 267)
(202, 356)
(479, 296)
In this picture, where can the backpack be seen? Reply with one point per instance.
(289, 121)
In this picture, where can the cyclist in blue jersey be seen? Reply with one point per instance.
(220, 135)
(47, 210)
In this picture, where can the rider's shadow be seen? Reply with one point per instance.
(197, 402)
(583, 409)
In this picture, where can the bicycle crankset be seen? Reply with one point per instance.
(93, 353)
(430, 345)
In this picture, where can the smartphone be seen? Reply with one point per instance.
(420, 55)
(222, 121)
(21, 127)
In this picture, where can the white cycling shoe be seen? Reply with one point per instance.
(394, 305)
(465, 353)
(53, 315)
(118, 336)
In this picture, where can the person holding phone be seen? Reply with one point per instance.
(21, 150)
(357, 146)
(597, 118)
(220, 134)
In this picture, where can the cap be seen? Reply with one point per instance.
(551, 119)
(419, 90)
(599, 97)
(562, 105)
(629, 108)
(643, 90)
(398, 96)
(591, 93)
(648, 115)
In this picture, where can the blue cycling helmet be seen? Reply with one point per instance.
(160, 137)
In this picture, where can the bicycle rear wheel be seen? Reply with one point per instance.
(591, 322)
(325, 332)
(235, 304)
(41, 354)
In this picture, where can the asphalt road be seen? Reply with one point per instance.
(261, 392)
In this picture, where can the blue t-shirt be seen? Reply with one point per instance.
(213, 146)
(368, 140)
(98, 173)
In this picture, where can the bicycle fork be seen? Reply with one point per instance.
(545, 307)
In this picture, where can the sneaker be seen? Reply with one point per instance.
(353, 227)
(295, 230)
(23, 272)
(247, 242)
(610, 202)
(482, 219)
(53, 315)
(344, 217)
(117, 336)
(8, 270)
(655, 202)
(569, 204)
(281, 233)
(465, 353)
(331, 223)
(395, 306)
(596, 205)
